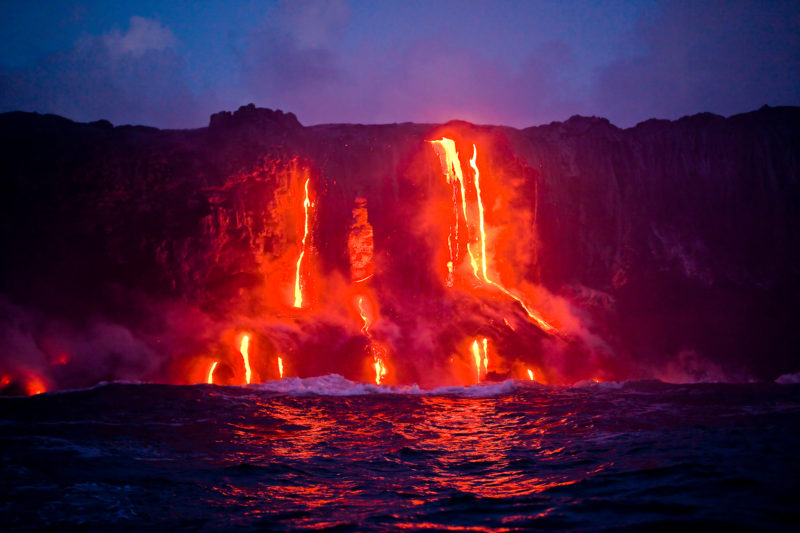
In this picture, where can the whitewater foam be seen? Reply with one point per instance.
(789, 379)
(336, 385)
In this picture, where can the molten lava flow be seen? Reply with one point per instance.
(298, 294)
(360, 245)
(472, 163)
(380, 370)
(480, 354)
(211, 373)
(441, 149)
(243, 349)
(375, 348)
(530, 374)
(451, 166)
(476, 355)
(485, 356)
(364, 317)
(36, 387)
(532, 314)
(280, 367)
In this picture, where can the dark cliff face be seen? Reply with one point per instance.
(672, 241)
(690, 226)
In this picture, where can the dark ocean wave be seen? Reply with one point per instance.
(325, 453)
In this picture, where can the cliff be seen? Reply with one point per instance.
(670, 243)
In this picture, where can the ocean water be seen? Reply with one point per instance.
(328, 454)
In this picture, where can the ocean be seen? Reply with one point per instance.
(333, 455)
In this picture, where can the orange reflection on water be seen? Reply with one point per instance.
(445, 527)
(348, 458)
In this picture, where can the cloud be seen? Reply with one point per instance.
(142, 36)
(682, 58)
(297, 60)
(291, 60)
(131, 76)
(433, 65)
(722, 57)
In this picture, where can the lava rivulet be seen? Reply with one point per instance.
(480, 356)
(375, 348)
(364, 317)
(244, 348)
(361, 247)
(298, 293)
(485, 355)
(476, 355)
(210, 380)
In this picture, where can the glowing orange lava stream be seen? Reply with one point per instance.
(532, 314)
(211, 372)
(377, 361)
(280, 366)
(298, 294)
(476, 355)
(243, 349)
(446, 149)
(380, 370)
(530, 374)
(485, 356)
(364, 317)
(481, 358)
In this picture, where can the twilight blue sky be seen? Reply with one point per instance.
(520, 63)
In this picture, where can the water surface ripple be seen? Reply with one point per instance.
(502, 457)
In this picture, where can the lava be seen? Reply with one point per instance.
(480, 355)
(485, 356)
(280, 367)
(364, 317)
(476, 355)
(211, 372)
(530, 374)
(361, 247)
(35, 386)
(451, 166)
(298, 293)
(244, 350)
(380, 370)
(375, 348)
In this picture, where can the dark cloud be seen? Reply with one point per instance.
(723, 57)
(131, 76)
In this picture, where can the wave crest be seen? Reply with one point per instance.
(336, 385)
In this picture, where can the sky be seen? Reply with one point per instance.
(518, 63)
